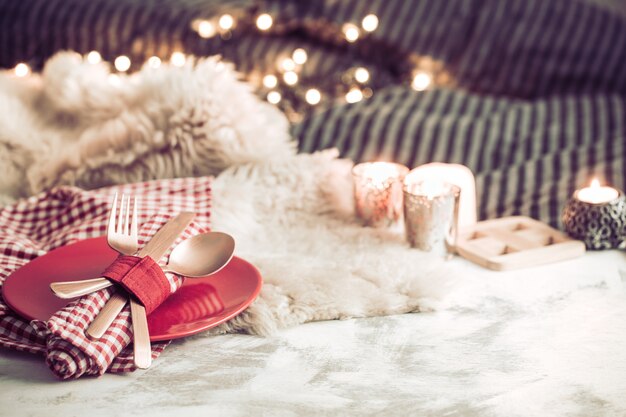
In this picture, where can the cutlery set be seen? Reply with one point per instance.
(198, 256)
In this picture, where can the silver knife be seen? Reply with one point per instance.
(156, 247)
(163, 239)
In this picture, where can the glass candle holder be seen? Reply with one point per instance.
(431, 213)
(378, 193)
(597, 216)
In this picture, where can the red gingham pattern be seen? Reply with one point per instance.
(64, 215)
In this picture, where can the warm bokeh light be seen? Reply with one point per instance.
(351, 32)
(313, 96)
(21, 70)
(264, 21)
(178, 59)
(421, 81)
(274, 97)
(122, 63)
(154, 62)
(114, 79)
(299, 56)
(226, 22)
(94, 57)
(369, 23)
(354, 95)
(206, 29)
(290, 77)
(270, 81)
(362, 75)
(288, 64)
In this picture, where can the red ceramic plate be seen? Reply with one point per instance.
(201, 303)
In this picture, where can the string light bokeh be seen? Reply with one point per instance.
(287, 84)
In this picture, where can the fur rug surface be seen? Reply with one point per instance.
(291, 215)
(78, 124)
(295, 221)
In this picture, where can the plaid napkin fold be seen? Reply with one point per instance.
(65, 215)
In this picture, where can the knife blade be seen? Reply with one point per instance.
(163, 239)
(155, 248)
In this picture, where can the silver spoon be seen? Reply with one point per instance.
(199, 256)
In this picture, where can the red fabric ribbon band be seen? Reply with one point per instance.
(141, 277)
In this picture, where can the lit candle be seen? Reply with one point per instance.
(431, 209)
(595, 194)
(455, 174)
(378, 192)
(597, 216)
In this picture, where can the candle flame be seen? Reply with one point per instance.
(596, 194)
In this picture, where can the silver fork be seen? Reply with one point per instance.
(122, 236)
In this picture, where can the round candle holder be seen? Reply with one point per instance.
(431, 221)
(378, 193)
(598, 225)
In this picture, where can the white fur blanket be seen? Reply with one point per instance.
(291, 215)
(295, 221)
(75, 124)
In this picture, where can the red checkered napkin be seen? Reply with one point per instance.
(65, 215)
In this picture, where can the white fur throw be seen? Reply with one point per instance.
(291, 215)
(77, 125)
(294, 220)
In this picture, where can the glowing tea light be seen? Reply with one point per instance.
(299, 56)
(378, 192)
(596, 194)
(597, 216)
(431, 208)
(122, 63)
(369, 23)
(351, 32)
(313, 96)
(270, 81)
(264, 21)
(21, 70)
(94, 57)
(226, 22)
(434, 174)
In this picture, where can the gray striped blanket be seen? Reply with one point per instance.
(533, 102)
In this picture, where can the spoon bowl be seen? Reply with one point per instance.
(201, 255)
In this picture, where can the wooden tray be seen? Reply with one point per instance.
(516, 242)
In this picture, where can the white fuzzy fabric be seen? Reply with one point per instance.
(294, 220)
(76, 125)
